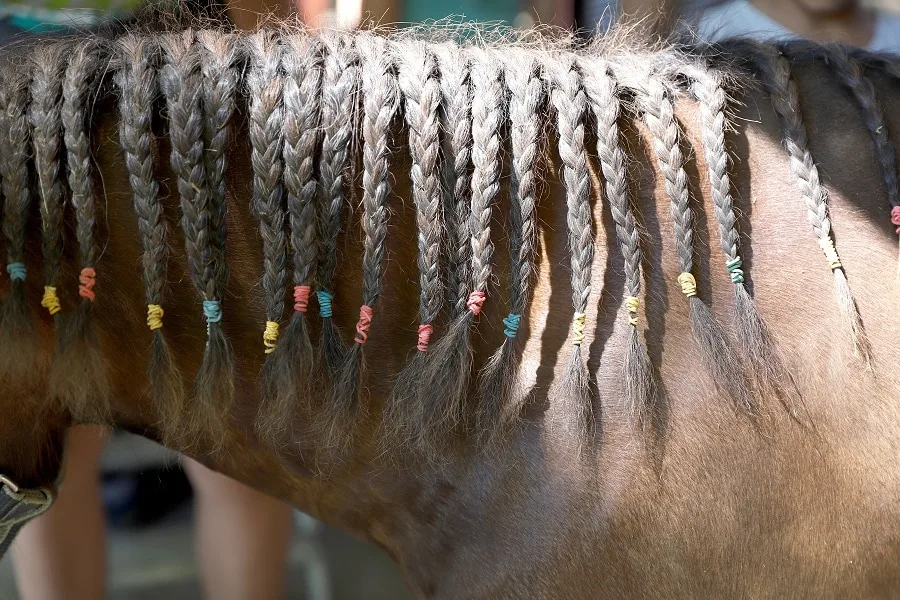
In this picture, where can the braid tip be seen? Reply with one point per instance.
(286, 383)
(21, 363)
(79, 376)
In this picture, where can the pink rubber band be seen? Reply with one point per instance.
(362, 326)
(476, 301)
(895, 218)
(425, 332)
(86, 281)
(301, 298)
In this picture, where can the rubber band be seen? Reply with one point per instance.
(895, 218)
(688, 284)
(578, 328)
(50, 301)
(362, 326)
(324, 297)
(270, 336)
(17, 271)
(735, 270)
(827, 245)
(425, 332)
(631, 305)
(86, 281)
(511, 322)
(301, 298)
(475, 302)
(154, 316)
(212, 309)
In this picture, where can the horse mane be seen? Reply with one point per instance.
(454, 98)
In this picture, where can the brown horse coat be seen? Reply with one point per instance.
(799, 499)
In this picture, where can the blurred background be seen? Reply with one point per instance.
(151, 545)
(146, 495)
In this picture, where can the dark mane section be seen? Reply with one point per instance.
(315, 102)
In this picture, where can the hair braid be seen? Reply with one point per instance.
(381, 99)
(138, 90)
(569, 100)
(775, 73)
(265, 84)
(219, 58)
(79, 376)
(641, 385)
(500, 405)
(850, 72)
(753, 335)
(421, 90)
(716, 352)
(456, 115)
(444, 381)
(181, 83)
(20, 352)
(45, 118)
(487, 124)
(301, 63)
(341, 75)
(418, 80)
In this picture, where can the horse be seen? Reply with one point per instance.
(566, 319)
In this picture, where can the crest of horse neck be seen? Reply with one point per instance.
(552, 513)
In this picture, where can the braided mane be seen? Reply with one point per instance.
(470, 113)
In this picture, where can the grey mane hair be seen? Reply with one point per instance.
(420, 88)
(20, 366)
(135, 77)
(45, 118)
(79, 373)
(850, 72)
(717, 355)
(569, 100)
(339, 98)
(501, 400)
(380, 103)
(181, 83)
(301, 64)
(639, 377)
(305, 93)
(456, 122)
(444, 380)
(265, 86)
(756, 342)
(775, 74)
(868, 61)
(220, 59)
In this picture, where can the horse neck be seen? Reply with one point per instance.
(550, 473)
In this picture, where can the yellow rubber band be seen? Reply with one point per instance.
(827, 245)
(154, 316)
(578, 328)
(631, 305)
(270, 336)
(688, 284)
(50, 301)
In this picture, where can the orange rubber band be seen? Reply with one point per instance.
(425, 332)
(476, 302)
(362, 326)
(301, 298)
(87, 280)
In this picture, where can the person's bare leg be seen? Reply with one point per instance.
(242, 537)
(62, 554)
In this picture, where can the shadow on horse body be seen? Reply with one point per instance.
(711, 501)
